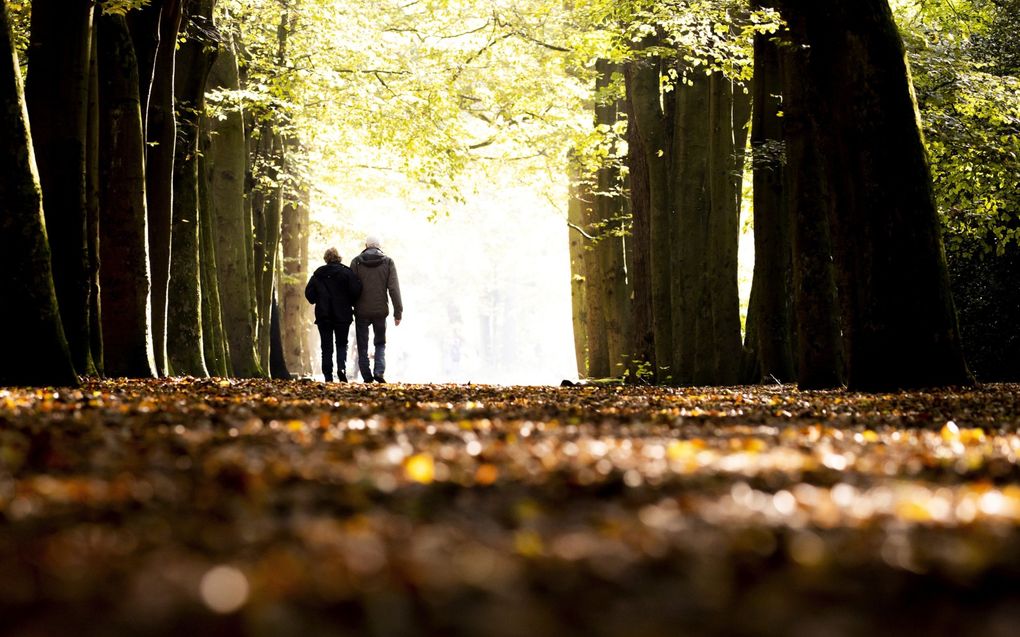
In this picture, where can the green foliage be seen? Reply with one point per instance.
(964, 57)
(19, 12)
(445, 92)
(121, 7)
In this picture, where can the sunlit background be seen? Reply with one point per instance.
(486, 286)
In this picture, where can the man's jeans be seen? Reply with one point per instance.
(328, 332)
(361, 331)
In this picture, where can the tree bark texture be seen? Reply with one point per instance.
(56, 92)
(227, 166)
(124, 275)
(773, 253)
(144, 27)
(653, 126)
(277, 363)
(578, 274)
(214, 343)
(161, 134)
(184, 334)
(37, 352)
(693, 331)
(819, 344)
(610, 248)
(639, 271)
(595, 298)
(900, 320)
(294, 275)
(92, 207)
(724, 234)
(267, 238)
(307, 317)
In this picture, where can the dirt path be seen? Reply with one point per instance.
(272, 508)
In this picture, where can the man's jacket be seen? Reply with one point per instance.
(378, 276)
(333, 289)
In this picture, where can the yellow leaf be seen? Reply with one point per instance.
(420, 468)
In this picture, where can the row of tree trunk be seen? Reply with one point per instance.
(665, 294)
(157, 249)
(850, 282)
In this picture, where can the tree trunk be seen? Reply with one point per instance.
(56, 92)
(578, 274)
(594, 295)
(270, 218)
(819, 344)
(144, 27)
(773, 254)
(36, 352)
(277, 364)
(293, 278)
(693, 331)
(609, 250)
(92, 207)
(185, 336)
(123, 247)
(654, 128)
(161, 134)
(214, 342)
(723, 235)
(639, 271)
(900, 321)
(750, 367)
(227, 165)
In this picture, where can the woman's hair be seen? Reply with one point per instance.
(332, 256)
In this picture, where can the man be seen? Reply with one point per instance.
(333, 289)
(378, 276)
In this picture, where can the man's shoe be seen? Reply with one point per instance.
(341, 377)
(327, 379)
(379, 379)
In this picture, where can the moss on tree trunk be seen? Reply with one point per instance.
(227, 166)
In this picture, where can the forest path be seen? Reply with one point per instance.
(269, 507)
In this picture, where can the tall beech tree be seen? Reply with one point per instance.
(773, 248)
(899, 319)
(227, 170)
(578, 271)
(214, 341)
(594, 296)
(56, 91)
(639, 277)
(819, 338)
(123, 240)
(155, 28)
(37, 353)
(724, 227)
(688, 190)
(184, 333)
(653, 123)
(609, 207)
(92, 207)
(294, 275)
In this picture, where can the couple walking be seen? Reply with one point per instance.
(357, 293)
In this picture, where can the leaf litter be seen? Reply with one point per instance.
(270, 507)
